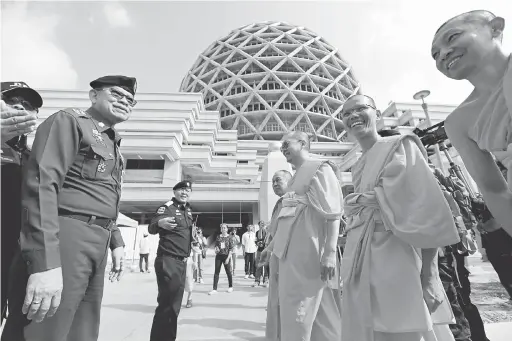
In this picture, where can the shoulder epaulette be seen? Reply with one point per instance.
(76, 112)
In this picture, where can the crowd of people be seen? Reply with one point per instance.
(408, 226)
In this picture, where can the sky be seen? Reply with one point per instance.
(66, 44)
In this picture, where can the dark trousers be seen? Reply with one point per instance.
(498, 246)
(261, 271)
(83, 252)
(249, 264)
(170, 277)
(470, 310)
(219, 261)
(460, 330)
(10, 224)
(144, 257)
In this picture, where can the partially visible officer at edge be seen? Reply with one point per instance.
(19, 106)
(70, 202)
(173, 221)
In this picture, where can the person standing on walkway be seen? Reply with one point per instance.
(195, 253)
(203, 245)
(223, 251)
(174, 223)
(19, 107)
(236, 242)
(144, 252)
(306, 244)
(249, 249)
(261, 271)
(70, 202)
(272, 327)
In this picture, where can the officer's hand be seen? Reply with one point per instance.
(43, 294)
(117, 264)
(168, 223)
(14, 122)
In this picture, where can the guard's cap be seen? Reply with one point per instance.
(127, 83)
(183, 184)
(23, 90)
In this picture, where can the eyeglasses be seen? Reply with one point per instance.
(119, 96)
(21, 101)
(357, 110)
(287, 143)
(185, 190)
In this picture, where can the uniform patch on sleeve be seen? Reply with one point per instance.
(161, 210)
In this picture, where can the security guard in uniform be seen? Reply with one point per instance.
(19, 107)
(173, 221)
(70, 201)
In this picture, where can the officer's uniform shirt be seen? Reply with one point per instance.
(75, 167)
(177, 242)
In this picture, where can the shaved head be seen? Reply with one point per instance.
(480, 15)
(301, 136)
(368, 99)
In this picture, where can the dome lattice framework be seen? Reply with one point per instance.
(268, 79)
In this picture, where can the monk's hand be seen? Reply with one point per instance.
(116, 272)
(43, 294)
(328, 265)
(264, 258)
(168, 223)
(432, 291)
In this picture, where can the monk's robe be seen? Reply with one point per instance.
(396, 209)
(272, 327)
(492, 129)
(309, 307)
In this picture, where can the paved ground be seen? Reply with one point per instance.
(129, 306)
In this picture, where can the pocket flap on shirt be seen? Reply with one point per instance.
(102, 152)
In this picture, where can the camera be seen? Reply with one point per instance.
(432, 135)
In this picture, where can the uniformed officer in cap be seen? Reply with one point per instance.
(19, 107)
(173, 221)
(70, 202)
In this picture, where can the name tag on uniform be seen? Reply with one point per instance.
(222, 245)
(178, 213)
(189, 213)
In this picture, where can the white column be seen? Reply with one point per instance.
(172, 172)
(274, 162)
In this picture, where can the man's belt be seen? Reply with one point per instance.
(106, 223)
(183, 259)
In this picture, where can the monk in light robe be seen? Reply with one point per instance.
(305, 244)
(279, 185)
(468, 47)
(397, 218)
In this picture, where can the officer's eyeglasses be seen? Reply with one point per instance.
(356, 110)
(186, 190)
(119, 96)
(16, 100)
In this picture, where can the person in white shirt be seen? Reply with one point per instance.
(203, 245)
(195, 254)
(249, 248)
(144, 252)
(236, 243)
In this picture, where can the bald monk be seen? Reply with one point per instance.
(468, 47)
(391, 285)
(305, 243)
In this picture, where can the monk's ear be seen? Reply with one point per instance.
(498, 26)
(378, 114)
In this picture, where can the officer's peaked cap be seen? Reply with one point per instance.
(182, 184)
(23, 90)
(127, 83)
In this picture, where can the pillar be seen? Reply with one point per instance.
(172, 172)
(267, 199)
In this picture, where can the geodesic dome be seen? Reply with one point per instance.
(268, 79)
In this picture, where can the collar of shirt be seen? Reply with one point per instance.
(103, 128)
(179, 204)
